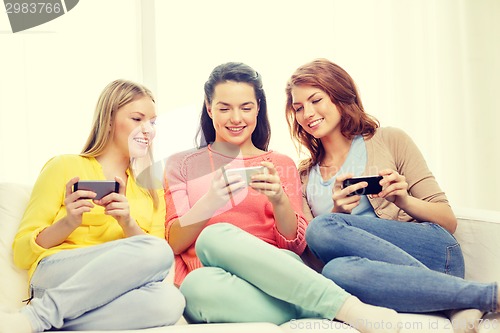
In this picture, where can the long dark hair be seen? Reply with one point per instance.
(237, 72)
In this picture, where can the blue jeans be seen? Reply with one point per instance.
(112, 286)
(409, 267)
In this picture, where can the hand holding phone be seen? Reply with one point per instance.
(101, 187)
(373, 187)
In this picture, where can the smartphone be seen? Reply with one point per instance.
(246, 173)
(101, 187)
(373, 187)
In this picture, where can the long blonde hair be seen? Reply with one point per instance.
(115, 95)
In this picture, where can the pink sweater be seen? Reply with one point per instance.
(188, 176)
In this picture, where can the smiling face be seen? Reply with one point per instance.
(134, 127)
(234, 110)
(314, 111)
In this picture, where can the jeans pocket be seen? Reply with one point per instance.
(455, 261)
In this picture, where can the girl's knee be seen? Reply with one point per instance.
(192, 285)
(317, 227)
(158, 304)
(152, 251)
(200, 289)
(344, 269)
(199, 284)
(323, 234)
(215, 238)
(170, 305)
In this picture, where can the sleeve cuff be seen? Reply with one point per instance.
(37, 249)
(298, 244)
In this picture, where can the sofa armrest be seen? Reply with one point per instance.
(478, 233)
(13, 281)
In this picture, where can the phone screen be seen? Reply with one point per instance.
(373, 187)
(246, 173)
(101, 187)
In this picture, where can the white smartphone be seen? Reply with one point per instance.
(246, 173)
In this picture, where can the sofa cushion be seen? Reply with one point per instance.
(477, 233)
(13, 200)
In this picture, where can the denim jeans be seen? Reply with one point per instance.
(245, 279)
(112, 286)
(406, 266)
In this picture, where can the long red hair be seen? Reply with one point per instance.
(340, 87)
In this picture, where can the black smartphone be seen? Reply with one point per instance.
(101, 187)
(373, 187)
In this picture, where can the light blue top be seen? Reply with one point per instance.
(319, 191)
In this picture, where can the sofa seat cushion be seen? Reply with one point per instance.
(411, 323)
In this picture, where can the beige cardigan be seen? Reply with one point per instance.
(392, 148)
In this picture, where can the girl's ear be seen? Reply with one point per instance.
(209, 108)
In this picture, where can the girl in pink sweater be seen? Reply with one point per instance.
(237, 241)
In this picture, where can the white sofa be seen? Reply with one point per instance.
(478, 233)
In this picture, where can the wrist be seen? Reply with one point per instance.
(130, 227)
(403, 203)
(209, 203)
(339, 209)
(127, 222)
(71, 223)
(279, 198)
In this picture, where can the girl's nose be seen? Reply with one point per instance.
(236, 117)
(146, 127)
(308, 110)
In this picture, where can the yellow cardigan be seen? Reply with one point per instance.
(46, 206)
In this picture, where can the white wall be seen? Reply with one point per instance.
(52, 75)
(430, 67)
